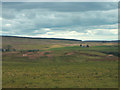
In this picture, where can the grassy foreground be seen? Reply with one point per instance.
(63, 67)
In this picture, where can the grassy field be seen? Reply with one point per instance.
(62, 66)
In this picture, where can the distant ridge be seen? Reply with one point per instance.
(44, 38)
(64, 39)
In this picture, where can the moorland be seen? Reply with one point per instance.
(51, 63)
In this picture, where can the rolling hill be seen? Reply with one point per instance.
(45, 43)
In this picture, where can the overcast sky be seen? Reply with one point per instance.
(72, 20)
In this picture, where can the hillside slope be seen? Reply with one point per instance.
(35, 43)
(46, 43)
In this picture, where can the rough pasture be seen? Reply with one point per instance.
(59, 64)
(63, 67)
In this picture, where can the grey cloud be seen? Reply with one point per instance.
(62, 6)
(36, 19)
(61, 1)
(78, 17)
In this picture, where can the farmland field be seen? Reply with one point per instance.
(59, 64)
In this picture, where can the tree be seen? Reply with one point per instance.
(14, 49)
(80, 45)
(9, 47)
(87, 46)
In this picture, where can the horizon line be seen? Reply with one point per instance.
(53, 38)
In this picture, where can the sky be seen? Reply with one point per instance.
(70, 20)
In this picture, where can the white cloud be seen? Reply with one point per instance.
(90, 34)
(61, 34)
(102, 32)
(114, 31)
(77, 35)
(36, 31)
(7, 25)
(0, 18)
(0, 32)
(47, 29)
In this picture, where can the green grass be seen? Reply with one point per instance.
(93, 49)
(67, 75)
(63, 71)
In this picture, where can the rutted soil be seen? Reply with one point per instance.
(49, 54)
(32, 55)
